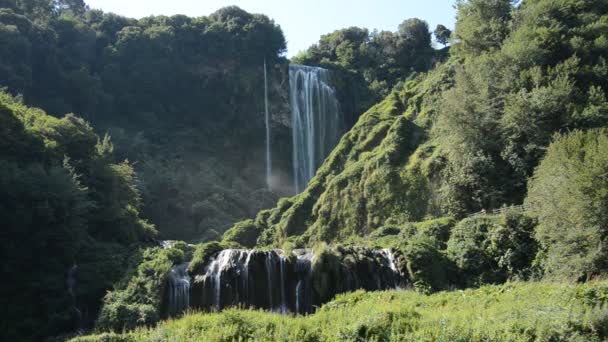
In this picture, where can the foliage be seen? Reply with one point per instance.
(510, 312)
(569, 192)
(493, 249)
(368, 64)
(442, 34)
(482, 25)
(427, 266)
(245, 233)
(65, 204)
(174, 92)
(139, 297)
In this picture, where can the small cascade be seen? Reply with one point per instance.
(267, 123)
(166, 244)
(391, 259)
(283, 303)
(283, 282)
(178, 290)
(269, 275)
(316, 120)
(303, 290)
(71, 283)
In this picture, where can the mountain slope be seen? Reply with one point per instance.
(463, 137)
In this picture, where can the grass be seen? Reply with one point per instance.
(509, 312)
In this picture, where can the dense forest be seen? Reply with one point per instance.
(473, 176)
(175, 93)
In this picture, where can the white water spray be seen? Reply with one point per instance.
(315, 119)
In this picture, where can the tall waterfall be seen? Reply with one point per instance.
(267, 122)
(315, 118)
(285, 282)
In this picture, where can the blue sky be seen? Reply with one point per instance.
(303, 22)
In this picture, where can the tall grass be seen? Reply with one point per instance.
(509, 312)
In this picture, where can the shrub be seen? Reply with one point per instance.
(438, 229)
(245, 233)
(492, 249)
(427, 266)
(119, 316)
(139, 297)
(469, 248)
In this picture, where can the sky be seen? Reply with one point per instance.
(304, 21)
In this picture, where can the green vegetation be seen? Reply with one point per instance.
(65, 202)
(465, 136)
(139, 297)
(510, 312)
(369, 64)
(570, 194)
(514, 111)
(180, 97)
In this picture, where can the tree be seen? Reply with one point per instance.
(442, 34)
(414, 45)
(569, 194)
(482, 25)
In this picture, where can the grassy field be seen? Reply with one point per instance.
(510, 312)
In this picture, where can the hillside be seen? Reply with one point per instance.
(463, 137)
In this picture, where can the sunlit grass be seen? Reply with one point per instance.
(510, 312)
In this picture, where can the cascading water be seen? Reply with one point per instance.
(315, 119)
(304, 285)
(285, 282)
(178, 289)
(71, 282)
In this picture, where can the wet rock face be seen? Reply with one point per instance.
(290, 283)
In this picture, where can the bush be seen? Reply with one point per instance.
(469, 248)
(139, 298)
(427, 266)
(513, 245)
(245, 233)
(120, 316)
(385, 231)
(493, 249)
(438, 229)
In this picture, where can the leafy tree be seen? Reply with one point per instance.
(482, 25)
(569, 193)
(442, 34)
(65, 202)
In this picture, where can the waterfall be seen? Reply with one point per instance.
(267, 122)
(391, 259)
(282, 282)
(179, 289)
(304, 284)
(283, 304)
(71, 282)
(269, 273)
(315, 120)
